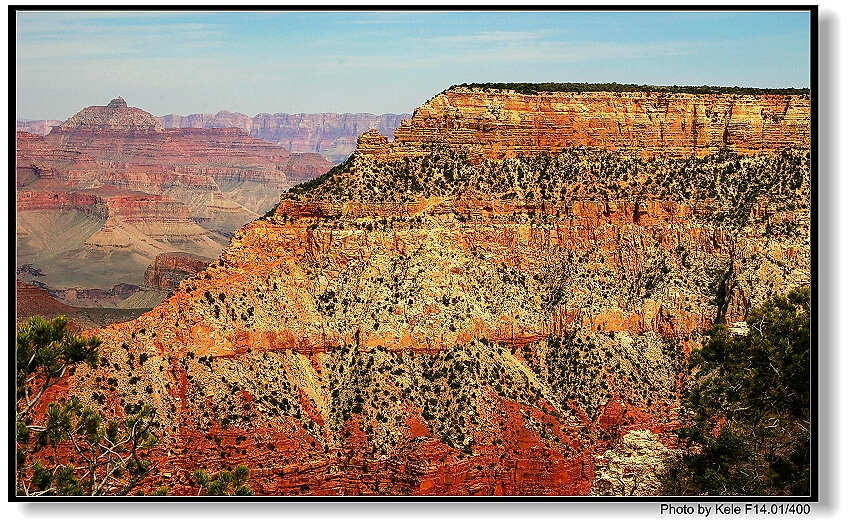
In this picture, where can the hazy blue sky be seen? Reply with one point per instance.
(254, 62)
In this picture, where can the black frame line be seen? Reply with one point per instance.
(813, 98)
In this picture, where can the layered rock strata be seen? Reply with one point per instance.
(33, 300)
(169, 269)
(444, 323)
(503, 124)
(123, 189)
(114, 116)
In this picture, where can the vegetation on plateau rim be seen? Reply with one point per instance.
(746, 409)
(732, 183)
(66, 448)
(536, 88)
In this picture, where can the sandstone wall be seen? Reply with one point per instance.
(89, 204)
(505, 124)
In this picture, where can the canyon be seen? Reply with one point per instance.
(329, 134)
(103, 193)
(500, 301)
(332, 135)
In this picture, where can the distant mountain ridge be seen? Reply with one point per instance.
(333, 135)
(330, 134)
(102, 194)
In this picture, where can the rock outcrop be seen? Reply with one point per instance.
(445, 323)
(95, 297)
(504, 124)
(114, 116)
(169, 269)
(635, 467)
(32, 300)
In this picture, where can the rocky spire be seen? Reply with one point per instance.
(117, 104)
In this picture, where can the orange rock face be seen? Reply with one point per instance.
(507, 124)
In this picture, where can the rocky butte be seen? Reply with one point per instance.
(105, 192)
(499, 302)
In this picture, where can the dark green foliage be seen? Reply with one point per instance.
(310, 185)
(101, 454)
(225, 483)
(45, 351)
(111, 452)
(576, 368)
(749, 406)
(733, 183)
(266, 216)
(535, 88)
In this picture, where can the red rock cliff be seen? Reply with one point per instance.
(506, 124)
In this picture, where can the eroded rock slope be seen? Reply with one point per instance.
(450, 322)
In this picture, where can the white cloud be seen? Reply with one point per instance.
(84, 36)
(488, 37)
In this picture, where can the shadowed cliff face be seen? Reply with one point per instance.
(169, 269)
(448, 323)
